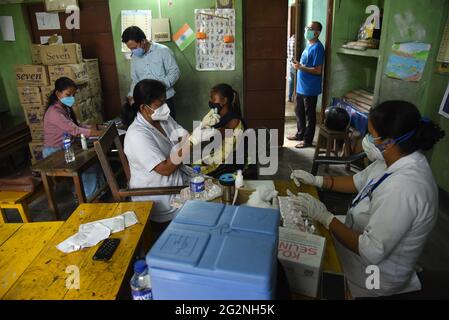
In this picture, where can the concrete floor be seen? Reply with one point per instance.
(434, 260)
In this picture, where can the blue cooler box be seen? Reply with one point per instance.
(215, 252)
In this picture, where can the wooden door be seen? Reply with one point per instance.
(265, 57)
(95, 37)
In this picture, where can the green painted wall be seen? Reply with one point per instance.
(193, 87)
(11, 53)
(425, 23)
(404, 21)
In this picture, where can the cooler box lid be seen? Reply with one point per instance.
(220, 242)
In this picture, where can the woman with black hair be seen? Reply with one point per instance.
(225, 115)
(151, 144)
(396, 207)
(59, 120)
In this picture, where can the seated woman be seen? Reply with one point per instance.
(390, 220)
(59, 120)
(149, 146)
(225, 115)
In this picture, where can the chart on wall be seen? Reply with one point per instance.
(215, 43)
(139, 18)
(407, 61)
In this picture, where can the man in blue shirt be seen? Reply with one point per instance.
(309, 86)
(151, 60)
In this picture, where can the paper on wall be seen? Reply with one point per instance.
(44, 40)
(444, 108)
(7, 28)
(47, 21)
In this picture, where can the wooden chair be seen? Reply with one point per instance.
(106, 144)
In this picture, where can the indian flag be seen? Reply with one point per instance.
(184, 37)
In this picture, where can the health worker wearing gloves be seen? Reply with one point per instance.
(150, 142)
(396, 207)
(224, 121)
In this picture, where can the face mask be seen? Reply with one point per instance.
(372, 151)
(161, 114)
(68, 101)
(309, 35)
(375, 152)
(139, 52)
(214, 105)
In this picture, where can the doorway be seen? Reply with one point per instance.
(301, 13)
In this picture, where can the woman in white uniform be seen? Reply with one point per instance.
(151, 146)
(396, 207)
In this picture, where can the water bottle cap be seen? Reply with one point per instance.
(140, 266)
(197, 169)
(227, 180)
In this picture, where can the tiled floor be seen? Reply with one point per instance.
(434, 260)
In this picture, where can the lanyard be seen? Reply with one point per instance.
(369, 189)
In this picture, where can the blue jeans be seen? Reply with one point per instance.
(92, 178)
(291, 81)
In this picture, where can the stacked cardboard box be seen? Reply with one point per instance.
(36, 82)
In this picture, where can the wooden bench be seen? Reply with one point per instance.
(18, 201)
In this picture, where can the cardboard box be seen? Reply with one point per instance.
(36, 53)
(36, 149)
(34, 113)
(93, 69)
(95, 88)
(46, 92)
(57, 54)
(301, 255)
(37, 132)
(83, 92)
(29, 95)
(76, 72)
(31, 76)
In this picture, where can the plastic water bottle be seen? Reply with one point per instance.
(84, 142)
(68, 149)
(141, 282)
(198, 185)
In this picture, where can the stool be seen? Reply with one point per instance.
(18, 201)
(327, 140)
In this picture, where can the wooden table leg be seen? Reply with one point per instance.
(79, 188)
(50, 195)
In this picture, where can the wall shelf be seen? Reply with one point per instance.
(370, 53)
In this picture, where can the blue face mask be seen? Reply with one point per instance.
(309, 35)
(382, 146)
(139, 52)
(68, 101)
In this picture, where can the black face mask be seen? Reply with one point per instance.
(214, 105)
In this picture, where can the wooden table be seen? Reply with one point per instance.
(44, 277)
(56, 166)
(20, 244)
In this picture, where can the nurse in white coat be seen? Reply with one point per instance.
(152, 147)
(396, 207)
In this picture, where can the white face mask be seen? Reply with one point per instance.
(372, 152)
(161, 114)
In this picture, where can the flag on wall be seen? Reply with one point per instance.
(184, 37)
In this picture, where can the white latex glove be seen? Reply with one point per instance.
(301, 176)
(314, 209)
(211, 119)
(202, 134)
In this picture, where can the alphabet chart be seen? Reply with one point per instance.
(213, 52)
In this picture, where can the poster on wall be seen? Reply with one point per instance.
(407, 61)
(215, 43)
(139, 18)
(444, 108)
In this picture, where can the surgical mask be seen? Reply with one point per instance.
(213, 105)
(309, 35)
(138, 52)
(161, 114)
(372, 151)
(375, 152)
(68, 101)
